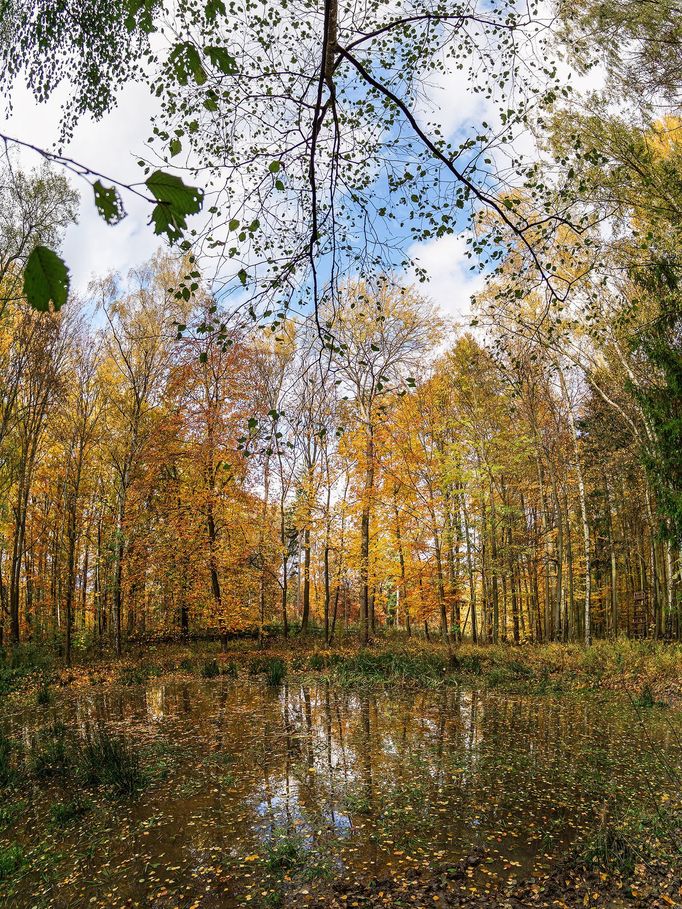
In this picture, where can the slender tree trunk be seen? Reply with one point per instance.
(305, 617)
(365, 531)
(587, 626)
(401, 561)
(470, 571)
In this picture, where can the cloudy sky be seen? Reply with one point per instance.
(113, 144)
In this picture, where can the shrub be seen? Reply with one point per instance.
(230, 670)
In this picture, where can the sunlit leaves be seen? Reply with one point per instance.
(46, 280)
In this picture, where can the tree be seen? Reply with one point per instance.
(380, 336)
(306, 121)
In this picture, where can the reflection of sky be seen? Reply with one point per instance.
(518, 776)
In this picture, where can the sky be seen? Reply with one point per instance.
(113, 145)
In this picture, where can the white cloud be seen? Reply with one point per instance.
(108, 146)
(451, 282)
(450, 103)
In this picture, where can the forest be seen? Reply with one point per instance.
(324, 579)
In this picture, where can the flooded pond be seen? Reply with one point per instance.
(257, 793)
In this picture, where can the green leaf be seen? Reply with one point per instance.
(213, 7)
(186, 62)
(108, 203)
(203, 356)
(175, 147)
(46, 280)
(242, 277)
(139, 15)
(221, 59)
(274, 166)
(176, 201)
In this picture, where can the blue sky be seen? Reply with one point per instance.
(113, 145)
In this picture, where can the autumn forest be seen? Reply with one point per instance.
(341, 489)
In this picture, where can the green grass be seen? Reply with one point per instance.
(273, 668)
(10, 811)
(138, 675)
(43, 694)
(285, 852)
(275, 672)
(50, 755)
(62, 813)
(11, 860)
(19, 663)
(639, 835)
(317, 662)
(6, 767)
(394, 666)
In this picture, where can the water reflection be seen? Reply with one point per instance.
(370, 780)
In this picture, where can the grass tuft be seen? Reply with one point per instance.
(11, 860)
(210, 669)
(275, 672)
(50, 755)
(43, 694)
(111, 761)
(63, 813)
(274, 669)
(6, 768)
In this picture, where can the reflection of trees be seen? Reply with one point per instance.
(452, 766)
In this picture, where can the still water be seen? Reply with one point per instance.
(258, 796)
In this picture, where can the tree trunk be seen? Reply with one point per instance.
(365, 533)
(587, 629)
(305, 617)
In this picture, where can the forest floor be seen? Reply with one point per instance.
(648, 672)
(634, 860)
